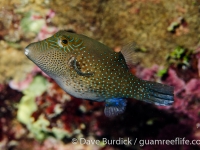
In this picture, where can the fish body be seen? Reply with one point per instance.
(87, 69)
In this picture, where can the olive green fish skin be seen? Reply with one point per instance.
(86, 68)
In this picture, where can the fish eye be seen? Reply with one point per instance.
(63, 41)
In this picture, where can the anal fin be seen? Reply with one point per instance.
(114, 107)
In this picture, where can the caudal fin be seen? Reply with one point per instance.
(159, 94)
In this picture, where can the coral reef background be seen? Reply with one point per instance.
(35, 114)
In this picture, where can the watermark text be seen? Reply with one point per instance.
(128, 141)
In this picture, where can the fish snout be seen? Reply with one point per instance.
(30, 50)
(26, 52)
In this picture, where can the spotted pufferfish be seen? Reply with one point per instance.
(88, 69)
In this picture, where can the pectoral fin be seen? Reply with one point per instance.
(74, 64)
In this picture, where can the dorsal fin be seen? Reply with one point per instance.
(129, 53)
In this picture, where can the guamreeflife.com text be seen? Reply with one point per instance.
(141, 142)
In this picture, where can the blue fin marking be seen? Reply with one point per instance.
(114, 107)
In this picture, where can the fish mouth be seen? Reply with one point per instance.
(26, 52)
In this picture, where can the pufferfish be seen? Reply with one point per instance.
(88, 69)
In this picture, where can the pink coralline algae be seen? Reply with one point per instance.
(193, 87)
(22, 85)
(147, 73)
(173, 80)
(46, 31)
